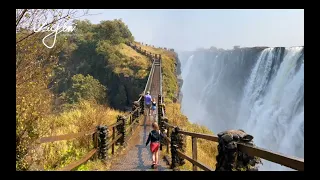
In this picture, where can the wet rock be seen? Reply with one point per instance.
(227, 138)
(229, 158)
(232, 145)
(178, 142)
(220, 134)
(253, 169)
(235, 137)
(247, 137)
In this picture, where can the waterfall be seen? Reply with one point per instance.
(259, 90)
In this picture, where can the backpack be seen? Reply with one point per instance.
(153, 135)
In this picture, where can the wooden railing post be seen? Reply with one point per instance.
(160, 115)
(121, 129)
(177, 143)
(168, 144)
(194, 152)
(103, 146)
(229, 158)
(142, 104)
(113, 137)
(135, 106)
(95, 142)
(163, 127)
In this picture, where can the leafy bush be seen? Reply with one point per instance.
(85, 88)
(99, 50)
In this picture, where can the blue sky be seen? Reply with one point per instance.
(191, 29)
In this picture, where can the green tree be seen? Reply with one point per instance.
(87, 88)
(120, 98)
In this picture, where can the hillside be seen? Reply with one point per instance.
(100, 51)
(134, 64)
(88, 78)
(169, 61)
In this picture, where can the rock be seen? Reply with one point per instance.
(252, 162)
(232, 145)
(227, 138)
(235, 137)
(247, 137)
(250, 143)
(220, 134)
(241, 134)
(229, 157)
(253, 169)
(244, 156)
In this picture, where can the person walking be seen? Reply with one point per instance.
(155, 136)
(154, 107)
(147, 100)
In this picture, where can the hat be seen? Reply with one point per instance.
(148, 92)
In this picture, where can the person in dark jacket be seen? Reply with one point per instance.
(154, 136)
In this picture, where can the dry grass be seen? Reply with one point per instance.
(206, 158)
(133, 64)
(170, 84)
(85, 116)
(164, 53)
(82, 117)
(138, 59)
(207, 150)
(95, 165)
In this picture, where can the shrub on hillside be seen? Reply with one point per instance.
(85, 88)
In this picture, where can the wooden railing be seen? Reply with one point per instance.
(69, 137)
(291, 162)
(111, 140)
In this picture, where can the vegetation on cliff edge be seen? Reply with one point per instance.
(170, 82)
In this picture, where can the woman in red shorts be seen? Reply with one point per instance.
(155, 136)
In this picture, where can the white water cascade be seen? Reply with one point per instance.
(259, 90)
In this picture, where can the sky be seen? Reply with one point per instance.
(191, 29)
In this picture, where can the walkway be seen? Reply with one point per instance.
(137, 156)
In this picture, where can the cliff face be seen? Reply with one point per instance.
(123, 90)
